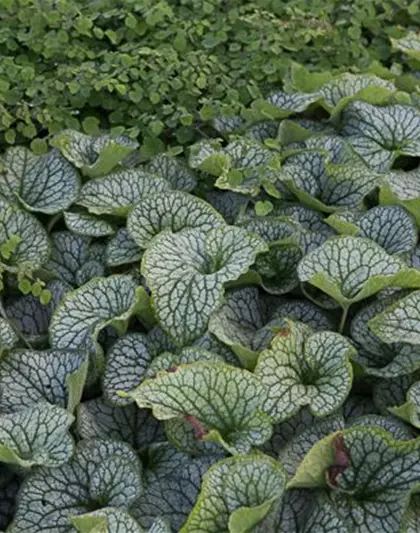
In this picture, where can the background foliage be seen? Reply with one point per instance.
(157, 68)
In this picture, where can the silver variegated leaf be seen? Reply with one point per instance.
(8, 336)
(47, 184)
(119, 192)
(87, 225)
(101, 473)
(233, 416)
(174, 171)
(95, 156)
(305, 368)
(106, 520)
(228, 203)
(82, 313)
(97, 419)
(33, 247)
(125, 367)
(172, 211)
(69, 252)
(237, 495)
(122, 249)
(36, 435)
(352, 268)
(186, 273)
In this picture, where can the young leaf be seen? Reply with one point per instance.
(174, 171)
(305, 368)
(54, 376)
(37, 435)
(237, 494)
(87, 225)
(33, 247)
(100, 474)
(225, 402)
(117, 193)
(122, 249)
(47, 184)
(172, 211)
(410, 410)
(352, 268)
(82, 313)
(186, 273)
(125, 368)
(95, 156)
(400, 322)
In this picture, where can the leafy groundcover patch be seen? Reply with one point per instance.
(227, 342)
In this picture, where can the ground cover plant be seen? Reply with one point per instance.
(156, 69)
(223, 341)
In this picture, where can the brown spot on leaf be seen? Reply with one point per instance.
(199, 430)
(342, 460)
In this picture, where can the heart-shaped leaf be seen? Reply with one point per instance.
(174, 171)
(187, 271)
(82, 313)
(377, 490)
(97, 419)
(122, 249)
(400, 322)
(100, 474)
(352, 268)
(29, 376)
(47, 184)
(117, 193)
(172, 211)
(69, 252)
(125, 368)
(32, 248)
(37, 435)
(95, 156)
(237, 494)
(378, 145)
(305, 368)
(232, 417)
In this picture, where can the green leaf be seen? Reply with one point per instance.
(8, 336)
(400, 322)
(122, 249)
(236, 495)
(95, 156)
(106, 520)
(167, 360)
(376, 490)
(117, 193)
(83, 313)
(378, 145)
(28, 376)
(186, 273)
(47, 184)
(376, 357)
(172, 211)
(350, 269)
(174, 171)
(87, 225)
(100, 474)
(97, 419)
(233, 417)
(33, 247)
(305, 368)
(125, 368)
(37, 435)
(409, 45)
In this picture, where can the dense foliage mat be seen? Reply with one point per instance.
(157, 68)
(227, 342)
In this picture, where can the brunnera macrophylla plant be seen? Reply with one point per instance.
(227, 342)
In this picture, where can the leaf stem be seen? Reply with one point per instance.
(343, 318)
(312, 299)
(53, 221)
